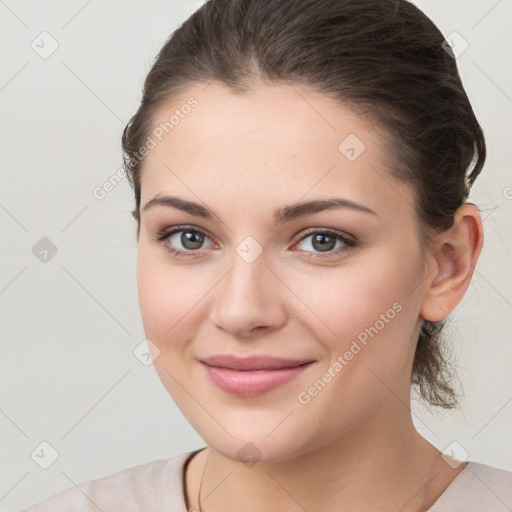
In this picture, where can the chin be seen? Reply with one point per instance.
(254, 449)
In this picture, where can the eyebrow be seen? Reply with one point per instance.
(281, 215)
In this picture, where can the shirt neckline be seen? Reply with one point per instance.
(454, 483)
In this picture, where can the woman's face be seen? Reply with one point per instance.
(269, 272)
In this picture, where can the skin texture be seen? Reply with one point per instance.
(353, 446)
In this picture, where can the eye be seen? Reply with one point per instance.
(182, 240)
(187, 241)
(327, 242)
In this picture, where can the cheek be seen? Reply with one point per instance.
(170, 302)
(365, 313)
(169, 299)
(346, 301)
(372, 319)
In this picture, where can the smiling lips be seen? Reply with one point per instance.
(252, 376)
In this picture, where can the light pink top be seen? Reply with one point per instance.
(158, 487)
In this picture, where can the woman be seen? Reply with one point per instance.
(301, 172)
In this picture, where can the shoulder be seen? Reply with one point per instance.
(479, 487)
(151, 486)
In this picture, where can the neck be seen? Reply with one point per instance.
(382, 465)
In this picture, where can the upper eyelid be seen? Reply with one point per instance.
(336, 232)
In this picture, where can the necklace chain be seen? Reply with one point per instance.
(201, 481)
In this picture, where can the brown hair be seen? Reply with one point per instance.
(384, 58)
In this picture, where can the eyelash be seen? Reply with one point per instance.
(349, 243)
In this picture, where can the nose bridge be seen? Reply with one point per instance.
(246, 298)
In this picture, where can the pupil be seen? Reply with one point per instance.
(323, 243)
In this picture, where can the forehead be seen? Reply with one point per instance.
(275, 143)
(284, 119)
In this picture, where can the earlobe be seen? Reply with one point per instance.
(455, 256)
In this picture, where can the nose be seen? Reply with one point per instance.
(249, 299)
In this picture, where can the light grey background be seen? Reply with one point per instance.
(69, 376)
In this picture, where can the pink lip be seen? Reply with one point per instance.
(252, 376)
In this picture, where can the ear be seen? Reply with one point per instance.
(455, 255)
